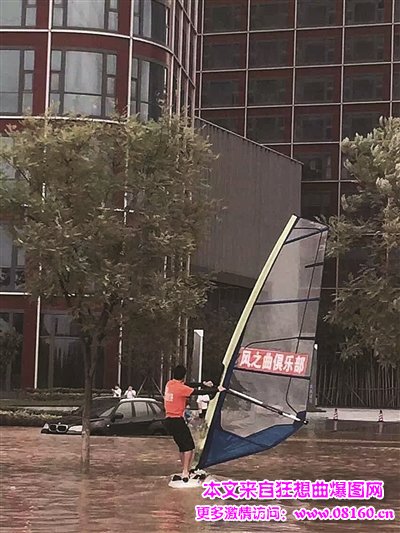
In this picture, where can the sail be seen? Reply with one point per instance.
(267, 365)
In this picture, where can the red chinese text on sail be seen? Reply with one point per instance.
(272, 361)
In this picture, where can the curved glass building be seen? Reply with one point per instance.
(96, 56)
(93, 57)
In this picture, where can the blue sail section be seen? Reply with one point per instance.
(267, 365)
(225, 446)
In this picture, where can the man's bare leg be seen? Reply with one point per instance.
(187, 461)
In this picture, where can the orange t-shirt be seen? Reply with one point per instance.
(176, 394)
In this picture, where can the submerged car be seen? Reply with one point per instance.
(114, 416)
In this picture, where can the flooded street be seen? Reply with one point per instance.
(42, 489)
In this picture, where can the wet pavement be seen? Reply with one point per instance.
(127, 490)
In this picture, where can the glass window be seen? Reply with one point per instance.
(185, 30)
(221, 55)
(177, 35)
(102, 406)
(125, 408)
(313, 127)
(397, 11)
(319, 199)
(270, 14)
(397, 42)
(222, 93)
(156, 409)
(221, 16)
(269, 89)
(141, 409)
(314, 88)
(363, 86)
(83, 82)
(16, 81)
(396, 109)
(268, 128)
(359, 122)
(396, 83)
(191, 60)
(364, 11)
(231, 120)
(364, 48)
(12, 263)
(316, 13)
(98, 14)
(17, 13)
(151, 20)
(269, 51)
(318, 165)
(314, 50)
(147, 88)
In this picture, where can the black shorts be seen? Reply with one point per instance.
(180, 432)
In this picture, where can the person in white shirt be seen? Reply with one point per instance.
(130, 393)
(202, 403)
(117, 391)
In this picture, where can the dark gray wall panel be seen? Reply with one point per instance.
(259, 189)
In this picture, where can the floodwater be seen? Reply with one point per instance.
(42, 489)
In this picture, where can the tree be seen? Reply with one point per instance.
(150, 347)
(10, 345)
(107, 214)
(368, 230)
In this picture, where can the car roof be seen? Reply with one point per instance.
(139, 399)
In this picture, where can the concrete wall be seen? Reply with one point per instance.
(259, 189)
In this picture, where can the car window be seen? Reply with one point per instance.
(99, 407)
(156, 408)
(102, 405)
(141, 409)
(125, 408)
(108, 411)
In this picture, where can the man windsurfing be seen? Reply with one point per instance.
(175, 399)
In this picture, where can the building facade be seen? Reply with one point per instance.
(95, 57)
(299, 76)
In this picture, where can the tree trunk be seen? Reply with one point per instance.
(85, 450)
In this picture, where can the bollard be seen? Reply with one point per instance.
(335, 419)
(380, 421)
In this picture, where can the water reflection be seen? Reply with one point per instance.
(42, 489)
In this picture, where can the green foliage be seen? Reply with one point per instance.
(10, 346)
(98, 207)
(368, 305)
